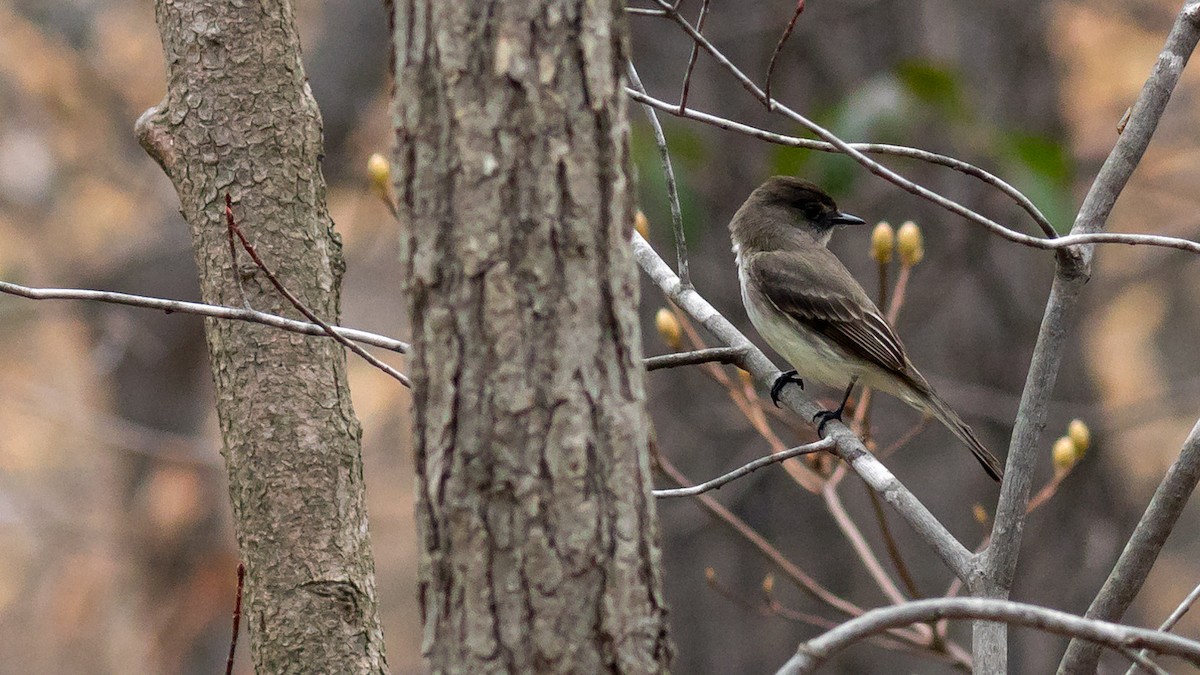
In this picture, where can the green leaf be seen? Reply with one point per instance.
(934, 85)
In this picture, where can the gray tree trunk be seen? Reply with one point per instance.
(239, 118)
(539, 546)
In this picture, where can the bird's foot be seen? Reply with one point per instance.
(825, 417)
(783, 380)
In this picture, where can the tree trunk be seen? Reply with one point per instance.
(239, 118)
(539, 545)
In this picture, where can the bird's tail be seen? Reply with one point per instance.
(939, 409)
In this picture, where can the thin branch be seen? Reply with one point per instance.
(813, 653)
(640, 11)
(1177, 614)
(201, 309)
(660, 139)
(237, 617)
(726, 355)
(300, 307)
(848, 447)
(787, 32)
(1000, 559)
(745, 469)
(687, 76)
(871, 148)
(1136, 561)
(1142, 660)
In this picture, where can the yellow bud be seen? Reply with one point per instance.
(1081, 436)
(746, 378)
(642, 224)
(908, 240)
(380, 171)
(980, 513)
(710, 574)
(768, 584)
(883, 243)
(1063, 454)
(669, 329)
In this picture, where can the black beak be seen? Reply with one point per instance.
(847, 219)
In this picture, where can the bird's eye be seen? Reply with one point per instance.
(813, 212)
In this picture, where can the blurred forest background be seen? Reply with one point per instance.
(116, 548)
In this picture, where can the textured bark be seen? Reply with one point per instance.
(539, 547)
(239, 118)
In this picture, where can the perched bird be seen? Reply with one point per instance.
(812, 312)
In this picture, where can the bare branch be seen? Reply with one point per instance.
(727, 355)
(1132, 568)
(848, 446)
(300, 307)
(787, 32)
(687, 76)
(1000, 559)
(746, 469)
(202, 309)
(813, 653)
(1176, 615)
(669, 175)
(870, 148)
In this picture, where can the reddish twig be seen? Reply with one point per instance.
(237, 617)
(687, 76)
(300, 307)
(787, 32)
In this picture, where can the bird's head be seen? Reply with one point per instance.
(806, 207)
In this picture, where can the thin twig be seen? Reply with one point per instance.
(813, 653)
(237, 617)
(893, 549)
(745, 469)
(1141, 660)
(201, 309)
(1177, 615)
(687, 76)
(641, 11)
(300, 307)
(871, 148)
(681, 253)
(726, 355)
(787, 32)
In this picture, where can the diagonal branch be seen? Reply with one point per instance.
(745, 470)
(848, 446)
(1144, 545)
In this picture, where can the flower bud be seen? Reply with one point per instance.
(669, 328)
(908, 241)
(380, 172)
(980, 513)
(883, 243)
(642, 224)
(710, 574)
(1063, 454)
(768, 584)
(1081, 436)
(746, 378)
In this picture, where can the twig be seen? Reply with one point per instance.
(893, 549)
(787, 32)
(237, 617)
(848, 446)
(364, 354)
(1142, 550)
(681, 253)
(687, 76)
(726, 355)
(745, 469)
(871, 148)
(201, 309)
(1141, 660)
(1177, 614)
(641, 11)
(813, 653)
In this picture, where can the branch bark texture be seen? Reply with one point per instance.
(538, 547)
(239, 118)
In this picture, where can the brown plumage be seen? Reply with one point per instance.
(810, 309)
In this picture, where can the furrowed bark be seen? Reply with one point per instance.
(239, 118)
(539, 546)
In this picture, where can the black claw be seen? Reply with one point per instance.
(826, 416)
(782, 381)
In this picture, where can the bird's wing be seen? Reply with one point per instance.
(820, 294)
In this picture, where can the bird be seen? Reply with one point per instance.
(811, 310)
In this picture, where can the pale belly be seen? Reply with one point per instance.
(810, 354)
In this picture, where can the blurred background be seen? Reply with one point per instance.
(116, 548)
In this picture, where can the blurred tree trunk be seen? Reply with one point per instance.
(239, 118)
(539, 545)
